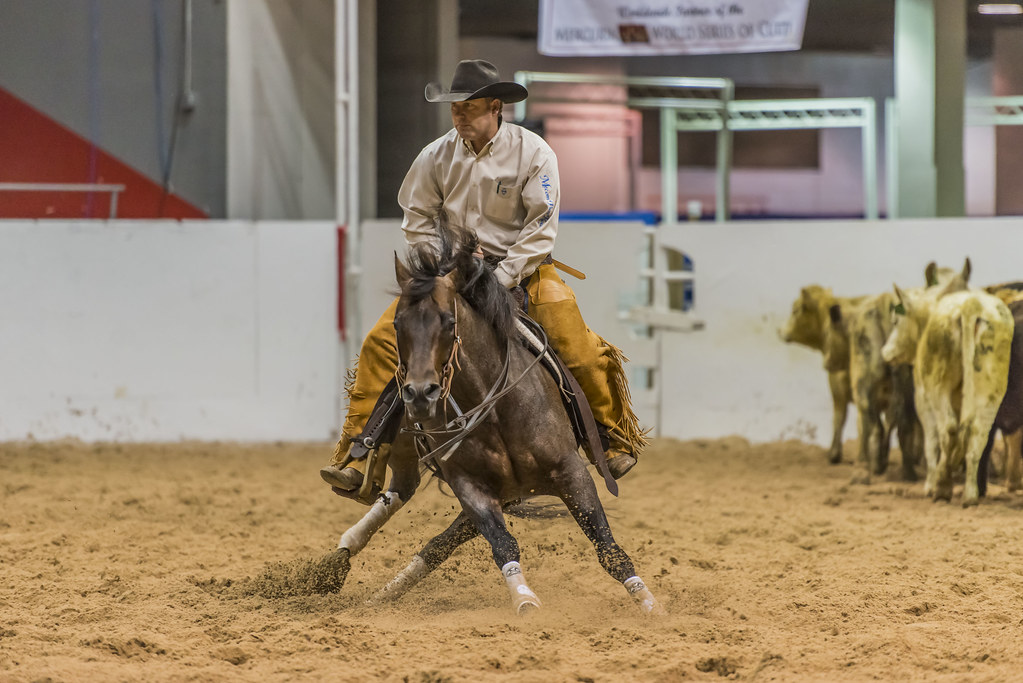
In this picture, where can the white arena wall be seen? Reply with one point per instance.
(160, 330)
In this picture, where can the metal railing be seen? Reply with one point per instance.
(710, 96)
(113, 189)
(709, 104)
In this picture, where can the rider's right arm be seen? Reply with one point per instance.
(420, 199)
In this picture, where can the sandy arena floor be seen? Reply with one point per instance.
(179, 563)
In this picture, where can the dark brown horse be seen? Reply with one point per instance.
(509, 437)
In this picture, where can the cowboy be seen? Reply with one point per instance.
(500, 180)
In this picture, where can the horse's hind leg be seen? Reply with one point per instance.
(580, 496)
(484, 510)
(429, 558)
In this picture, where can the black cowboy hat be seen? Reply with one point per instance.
(475, 78)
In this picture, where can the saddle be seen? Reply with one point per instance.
(385, 419)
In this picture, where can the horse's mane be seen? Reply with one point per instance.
(474, 279)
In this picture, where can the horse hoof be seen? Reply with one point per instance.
(527, 607)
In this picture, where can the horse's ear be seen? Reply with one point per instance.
(452, 280)
(401, 272)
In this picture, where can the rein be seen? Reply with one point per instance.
(465, 422)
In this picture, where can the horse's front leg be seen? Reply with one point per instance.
(404, 481)
(429, 558)
(484, 511)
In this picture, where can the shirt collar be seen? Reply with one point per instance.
(487, 148)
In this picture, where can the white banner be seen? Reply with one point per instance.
(570, 28)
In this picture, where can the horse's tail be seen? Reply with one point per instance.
(536, 509)
(532, 508)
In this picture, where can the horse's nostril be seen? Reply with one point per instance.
(412, 392)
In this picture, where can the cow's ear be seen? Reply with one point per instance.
(903, 299)
(931, 274)
(966, 270)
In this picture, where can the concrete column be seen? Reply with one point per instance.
(1008, 80)
(367, 108)
(950, 96)
(417, 42)
(930, 39)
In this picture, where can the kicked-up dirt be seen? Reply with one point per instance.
(200, 561)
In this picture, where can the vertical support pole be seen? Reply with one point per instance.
(891, 159)
(346, 182)
(868, 138)
(669, 166)
(949, 105)
(722, 198)
(522, 78)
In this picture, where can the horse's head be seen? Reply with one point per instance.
(425, 324)
(444, 281)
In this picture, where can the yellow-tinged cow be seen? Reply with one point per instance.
(959, 345)
(882, 394)
(808, 326)
(818, 322)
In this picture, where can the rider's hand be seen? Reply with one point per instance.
(520, 297)
(479, 251)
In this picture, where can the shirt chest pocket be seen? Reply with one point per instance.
(501, 199)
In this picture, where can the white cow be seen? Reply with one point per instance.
(959, 345)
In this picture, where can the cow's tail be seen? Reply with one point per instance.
(970, 319)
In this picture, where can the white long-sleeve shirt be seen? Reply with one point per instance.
(509, 194)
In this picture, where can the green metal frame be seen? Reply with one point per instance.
(723, 115)
(713, 108)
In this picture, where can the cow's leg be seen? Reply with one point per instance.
(841, 395)
(949, 449)
(1014, 460)
(884, 441)
(927, 413)
(871, 430)
(976, 437)
(438, 549)
(575, 487)
(985, 464)
(864, 427)
(911, 437)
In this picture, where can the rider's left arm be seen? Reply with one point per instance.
(541, 196)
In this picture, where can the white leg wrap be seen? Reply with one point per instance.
(521, 594)
(641, 594)
(383, 509)
(406, 578)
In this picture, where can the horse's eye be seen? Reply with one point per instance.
(447, 320)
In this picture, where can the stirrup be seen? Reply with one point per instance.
(370, 489)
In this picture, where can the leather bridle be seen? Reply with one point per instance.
(463, 424)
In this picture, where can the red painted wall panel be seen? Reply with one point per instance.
(36, 149)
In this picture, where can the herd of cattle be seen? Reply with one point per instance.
(941, 365)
